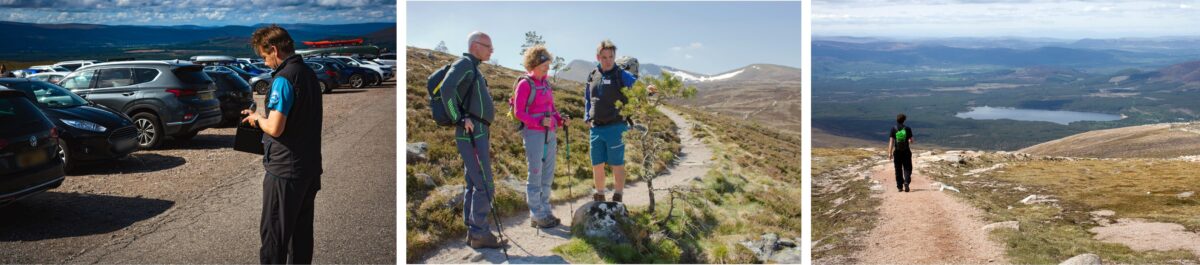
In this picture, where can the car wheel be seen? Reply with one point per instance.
(325, 87)
(261, 87)
(149, 130)
(64, 152)
(357, 82)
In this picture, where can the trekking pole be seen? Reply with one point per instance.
(495, 216)
(571, 175)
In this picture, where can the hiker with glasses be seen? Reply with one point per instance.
(533, 106)
(899, 140)
(601, 93)
(464, 95)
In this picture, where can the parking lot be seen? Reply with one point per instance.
(199, 201)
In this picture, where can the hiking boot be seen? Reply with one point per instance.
(486, 241)
(598, 197)
(900, 188)
(545, 223)
(617, 197)
(906, 188)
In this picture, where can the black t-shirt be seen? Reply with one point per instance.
(901, 146)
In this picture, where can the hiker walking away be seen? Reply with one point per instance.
(899, 140)
(533, 106)
(292, 149)
(464, 93)
(602, 93)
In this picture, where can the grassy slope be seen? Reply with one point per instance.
(751, 190)
(843, 209)
(429, 221)
(1134, 188)
(1146, 141)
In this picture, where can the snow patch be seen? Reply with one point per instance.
(691, 78)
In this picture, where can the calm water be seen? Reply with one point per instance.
(1056, 116)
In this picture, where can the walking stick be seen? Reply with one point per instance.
(495, 216)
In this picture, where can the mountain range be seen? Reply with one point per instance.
(750, 74)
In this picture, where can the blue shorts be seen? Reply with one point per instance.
(607, 145)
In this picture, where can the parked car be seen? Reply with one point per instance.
(243, 69)
(234, 94)
(49, 69)
(52, 77)
(29, 162)
(72, 65)
(163, 98)
(328, 77)
(356, 77)
(387, 58)
(87, 131)
(246, 76)
(383, 72)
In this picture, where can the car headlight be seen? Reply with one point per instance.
(84, 125)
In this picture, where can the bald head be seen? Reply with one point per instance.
(480, 45)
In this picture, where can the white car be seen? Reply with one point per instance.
(49, 69)
(49, 77)
(72, 65)
(385, 71)
(387, 58)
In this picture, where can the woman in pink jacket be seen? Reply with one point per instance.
(539, 119)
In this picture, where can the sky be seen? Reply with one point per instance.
(1008, 18)
(703, 37)
(197, 12)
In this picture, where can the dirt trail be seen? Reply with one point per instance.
(925, 226)
(529, 245)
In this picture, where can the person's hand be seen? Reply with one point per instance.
(467, 125)
(889, 156)
(652, 89)
(547, 121)
(252, 119)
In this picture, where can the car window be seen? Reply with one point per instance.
(388, 57)
(114, 77)
(192, 75)
(72, 66)
(48, 94)
(79, 80)
(316, 66)
(144, 75)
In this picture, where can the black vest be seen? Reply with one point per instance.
(297, 152)
(605, 96)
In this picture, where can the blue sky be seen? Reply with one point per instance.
(704, 37)
(197, 12)
(997, 18)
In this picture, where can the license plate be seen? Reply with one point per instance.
(31, 158)
(206, 96)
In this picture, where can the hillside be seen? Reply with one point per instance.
(435, 213)
(775, 106)
(1164, 140)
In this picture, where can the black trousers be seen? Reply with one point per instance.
(287, 220)
(903, 163)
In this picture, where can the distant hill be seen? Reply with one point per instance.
(1163, 140)
(28, 41)
(900, 53)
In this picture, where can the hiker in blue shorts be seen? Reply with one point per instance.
(602, 91)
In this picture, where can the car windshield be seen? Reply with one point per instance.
(49, 95)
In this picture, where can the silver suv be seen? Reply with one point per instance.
(163, 98)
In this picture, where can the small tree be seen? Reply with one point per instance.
(559, 66)
(531, 39)
(641, 105)
(441, 47)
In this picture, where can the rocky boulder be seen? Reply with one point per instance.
(771, 249)
(417, 152)
(603, 220)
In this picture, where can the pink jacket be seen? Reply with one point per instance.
(543, 103)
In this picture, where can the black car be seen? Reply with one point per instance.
(29, 161)
(234, 94)
(86, 131)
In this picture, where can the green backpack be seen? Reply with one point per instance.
(902, 135)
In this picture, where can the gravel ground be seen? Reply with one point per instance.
(199, 201)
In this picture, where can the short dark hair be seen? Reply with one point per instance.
(273, 35)
(900, 118)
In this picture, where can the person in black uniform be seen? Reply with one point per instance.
(899, 140)
(292, 150)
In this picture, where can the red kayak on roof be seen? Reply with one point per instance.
(333, 43)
